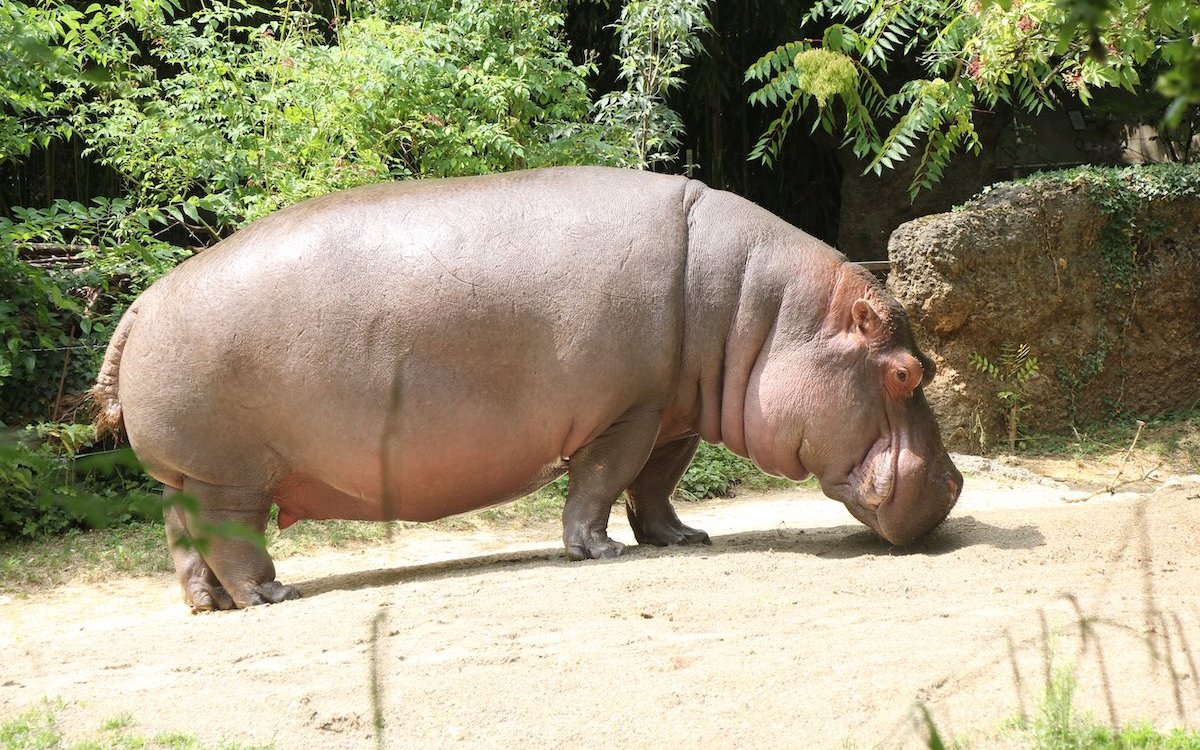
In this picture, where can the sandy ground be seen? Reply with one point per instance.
(796, 628)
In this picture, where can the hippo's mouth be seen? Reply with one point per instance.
(904, 485)
(873, 480)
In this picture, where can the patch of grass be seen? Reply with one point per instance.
(715, 472)
(38, 729)
(83, 556)
(1174, 439)
(33, 730)
(1143, 735)
(118, 722)
(544, 505)
(1060, 725)
(305, 537)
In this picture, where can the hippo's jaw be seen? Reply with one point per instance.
(904, 487)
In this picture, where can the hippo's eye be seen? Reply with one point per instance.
(903, 375)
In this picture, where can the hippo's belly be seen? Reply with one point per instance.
(302, 496)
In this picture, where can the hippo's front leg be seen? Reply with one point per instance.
(649, 510)
(599, 472)
(243, 568)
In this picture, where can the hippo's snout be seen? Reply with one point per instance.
(919, 508)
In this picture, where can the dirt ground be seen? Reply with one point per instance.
(796, 628)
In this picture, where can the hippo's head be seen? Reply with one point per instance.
(841, 398)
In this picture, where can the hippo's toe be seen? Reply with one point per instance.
(203, 596)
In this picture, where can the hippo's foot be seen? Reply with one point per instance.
(203, 596)
(271, 592)
(669, 531)
(593, 546)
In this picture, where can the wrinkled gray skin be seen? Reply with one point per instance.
(416, 350)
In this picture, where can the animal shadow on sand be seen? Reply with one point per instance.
(843, 542)
(837, 542)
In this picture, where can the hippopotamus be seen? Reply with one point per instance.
(419, 349)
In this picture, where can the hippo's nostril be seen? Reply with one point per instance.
(954, 487)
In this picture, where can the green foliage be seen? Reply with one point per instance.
(1012, 372)
(39, 74)
(1180, 82)
(656, 39)
(52, 343)
(1141, 735)
(826, 74)
(1057, 724)
(33, 487)
(46, 488)
(972, 55)
(243, 107)
(1123, 197)
(35, 729)
(51, 335)
(33, 309)
(715, 472)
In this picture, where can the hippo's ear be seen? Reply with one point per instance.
(865, 321)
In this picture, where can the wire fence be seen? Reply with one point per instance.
(72, 347)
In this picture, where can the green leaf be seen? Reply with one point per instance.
(833, 38)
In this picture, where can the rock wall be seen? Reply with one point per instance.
(1098, 276)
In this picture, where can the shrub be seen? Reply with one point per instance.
(47, 488)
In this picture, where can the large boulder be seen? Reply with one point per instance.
(1096, 273)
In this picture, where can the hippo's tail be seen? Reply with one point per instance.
(106, 402)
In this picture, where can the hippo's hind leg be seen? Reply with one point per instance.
(599, 471)
(201, 589)
(649, 509)
(241, 567)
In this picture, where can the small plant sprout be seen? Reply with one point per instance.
(1013, 370)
